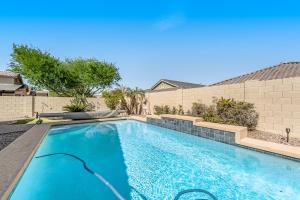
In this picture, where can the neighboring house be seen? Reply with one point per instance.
(11, 84)
(165, 84)
(280, 71)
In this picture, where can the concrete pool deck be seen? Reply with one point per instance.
(15, 157)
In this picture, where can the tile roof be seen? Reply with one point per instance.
(178, 84)
(282, 70)
(183, 84)
(9, 87)
(8, 74)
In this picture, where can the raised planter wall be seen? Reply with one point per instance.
(194, 126)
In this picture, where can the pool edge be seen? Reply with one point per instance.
(34, 131)
(23, 165)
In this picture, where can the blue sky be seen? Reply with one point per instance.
(201, 41)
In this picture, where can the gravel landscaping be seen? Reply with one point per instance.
(271, 137)
(10, 132)
(7, 138)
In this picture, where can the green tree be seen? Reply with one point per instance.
(69, 77)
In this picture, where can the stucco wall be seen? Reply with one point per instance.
(13, 107)
(276, 101)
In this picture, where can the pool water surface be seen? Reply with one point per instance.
(143, 161)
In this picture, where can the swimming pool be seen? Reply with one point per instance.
(143, 161)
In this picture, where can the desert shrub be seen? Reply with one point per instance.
(211, 115)
(164, 109)
(112, 98)
(198, 109)
(158, 110)
(233, 112)
(180, 110)
(78, 104)
(174, 110)
(188, 113)
(131, 100)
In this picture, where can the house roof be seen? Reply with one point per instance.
(9, 87)
(177, 84)
(9, 74)
(282, 70)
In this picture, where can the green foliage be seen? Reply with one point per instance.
(198, 109)
(174, 110)
(78, 104)
(130, 100)
(133, 100)
(112, 98)
(233, 112)
(91, 75)
(64, 78)
(24, 121)
(180, 110)
(165, 109)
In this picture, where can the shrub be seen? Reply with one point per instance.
(233, 112)
(158, 110)
(112, 98)
(198, 109)
(188, 113)
(174, 110)
(78, 104)
(180, 110)
(165, 109)
(130, 100)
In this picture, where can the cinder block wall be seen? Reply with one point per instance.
(276, 101)
(14, 107)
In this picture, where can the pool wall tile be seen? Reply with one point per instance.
(187, 126)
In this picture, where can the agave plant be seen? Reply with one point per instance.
(78, 104)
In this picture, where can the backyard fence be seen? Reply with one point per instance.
(276, 101)
(14, 107)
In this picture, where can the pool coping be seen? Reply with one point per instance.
(15, 158)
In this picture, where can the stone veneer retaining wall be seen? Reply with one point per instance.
(187, 126)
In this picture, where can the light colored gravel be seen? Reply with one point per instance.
(271, 137)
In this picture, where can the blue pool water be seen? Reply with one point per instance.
(142, 161)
